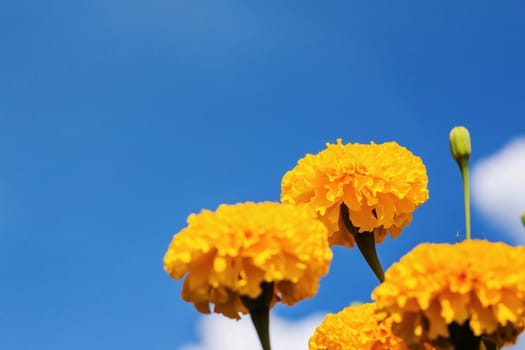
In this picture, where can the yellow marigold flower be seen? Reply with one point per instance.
(355, 328)
(228, 253)
(475, 283)
(381, 184)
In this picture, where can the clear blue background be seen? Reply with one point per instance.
(119, 118)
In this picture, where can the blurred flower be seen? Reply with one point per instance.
(474, 284)
(229, 253)
(380, 184)
(355, 328)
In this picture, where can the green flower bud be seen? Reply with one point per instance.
(460, 144)
(460, 148)
(523, 219)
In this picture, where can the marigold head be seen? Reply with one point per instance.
(228, 253)
(381, 184)
(355, 328)
(436, 286)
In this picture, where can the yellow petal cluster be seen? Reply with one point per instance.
(228, 253)
(381, 184)
(355, 328)
(435, 285)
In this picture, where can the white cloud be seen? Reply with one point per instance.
(217, 332)
(498, 192)
(498, 188)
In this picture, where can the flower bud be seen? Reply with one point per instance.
(460, 144)
(523, 219)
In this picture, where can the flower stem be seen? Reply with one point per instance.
(466, 195)
(259, 309)
(462, 337)
(365, 242)
(489, 346)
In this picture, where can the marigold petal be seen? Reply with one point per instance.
(228, 253)
(356, 327)
(380, 184)
(436, 285)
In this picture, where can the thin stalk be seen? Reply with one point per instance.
(466, 195)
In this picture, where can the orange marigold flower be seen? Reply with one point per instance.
(355, 328)
(381, 184)
(228, 253)
(435, 286)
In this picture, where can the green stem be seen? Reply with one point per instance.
(466, 195)
(462, 337)
(489, 345)
(261, 321)
(365, 242)
(259, 309)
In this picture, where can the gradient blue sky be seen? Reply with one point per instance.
(119, 118)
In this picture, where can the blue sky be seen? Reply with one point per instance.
(120, 118)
